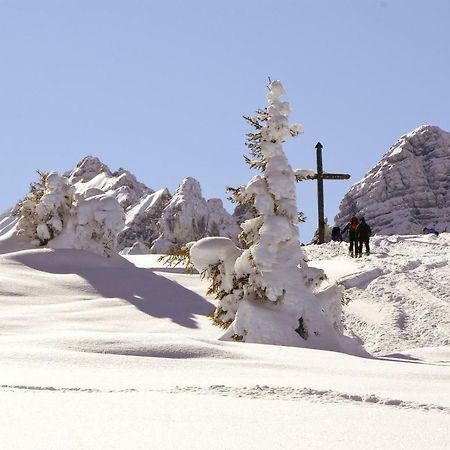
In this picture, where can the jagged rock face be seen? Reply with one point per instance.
(220, 222)
(185, 217)
(88, 168)
(408, 189)
(91, 173)
(141, 224)
(189, 217)
(242, 213)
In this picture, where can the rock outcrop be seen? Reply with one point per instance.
(189, 217)
(408, 189)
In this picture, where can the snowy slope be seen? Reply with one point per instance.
(117, 353)
(409, 189)
(399, 296)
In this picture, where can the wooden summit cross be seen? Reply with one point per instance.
(320, 176)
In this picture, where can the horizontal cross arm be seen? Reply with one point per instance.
(330, 176)
(335, 176)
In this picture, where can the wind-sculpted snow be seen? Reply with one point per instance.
(409, 189)
(399, 296)
(125, 344)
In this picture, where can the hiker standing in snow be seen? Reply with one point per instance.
(351, 227)
(336, 234)
(428, 230)
(363, 233)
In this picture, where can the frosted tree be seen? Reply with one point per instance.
(53, 215)
(266, 292)
(94, 226)
(44, 211)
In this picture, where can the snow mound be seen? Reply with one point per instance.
(93, 227)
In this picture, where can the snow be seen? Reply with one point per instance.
(119, 353)
(188, 217)
(91, 173)
(400, 294)
(94, 226)
(266, 294)
(408, 189)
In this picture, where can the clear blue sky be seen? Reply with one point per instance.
(160, 87)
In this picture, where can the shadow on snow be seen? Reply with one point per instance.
(116, 277)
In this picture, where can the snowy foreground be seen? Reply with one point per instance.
(117, 353)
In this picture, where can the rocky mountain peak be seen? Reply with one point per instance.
(88, 168)
(190, 187)
(408, 189)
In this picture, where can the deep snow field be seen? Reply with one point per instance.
(117, 353)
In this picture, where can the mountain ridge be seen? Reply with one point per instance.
(408, 189)
(149, 226)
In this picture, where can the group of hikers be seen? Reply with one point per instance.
(359, 233)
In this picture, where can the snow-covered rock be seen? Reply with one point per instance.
(87, 169)
(141, 225)
(154, 220)
(220, 222)
(150, 221)
(189, 217)
(91, 173)
(408, 189)
(242, 213)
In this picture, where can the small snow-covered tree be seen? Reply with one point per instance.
(94, 226)
(266, 292)
(43, 213)
(53, 215)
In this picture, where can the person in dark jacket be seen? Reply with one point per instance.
(429, 230)
(336, 234)
(351, 227)
(363, 233)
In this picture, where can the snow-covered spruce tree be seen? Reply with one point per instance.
(44, 211)
(266, 292)
(94, 226)
(53, 215)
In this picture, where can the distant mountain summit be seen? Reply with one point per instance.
(155, 221)
(408, 189)
(90, 174)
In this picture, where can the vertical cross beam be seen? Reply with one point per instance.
(320, 202)
(320, 176)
